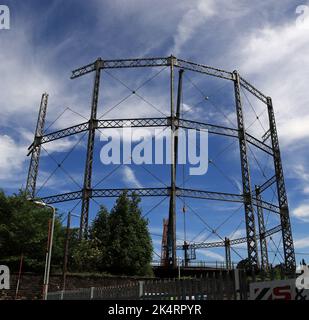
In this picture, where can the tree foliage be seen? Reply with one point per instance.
(24, 230)
(119, 241)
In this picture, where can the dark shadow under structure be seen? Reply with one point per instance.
(250, 198)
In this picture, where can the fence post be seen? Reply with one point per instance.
(237, 285)
(91, 293)
(141, 289)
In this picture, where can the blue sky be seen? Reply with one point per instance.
(261, 40)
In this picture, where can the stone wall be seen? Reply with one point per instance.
(31, 285)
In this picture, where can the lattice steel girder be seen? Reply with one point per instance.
(252, 90)
(90, 150)
(288, 246)
(158, 192)
(65, 132)
(136, 123)
(36, 148)
(145, 192)
(214, 129)
(153, 62)
(151, 122)
(69, 196)
(245, 171)
(259, 144)
(221, 196)
(219, 73)
(268, 233)
(268, 183)
(139, 122)
(122, 63)
(166, 61)
(210, 195)
(217, 244)
(263, 243)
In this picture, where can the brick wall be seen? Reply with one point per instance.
(30, 286)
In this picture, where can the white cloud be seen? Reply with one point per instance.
(275, 57)
(130, 178)
(63, 145)
(12, 157)
(302, 212)
(211, 254)
(238, 234)
(301, 243)
(301, 172)
(197, 15)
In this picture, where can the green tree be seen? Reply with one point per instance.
(87, 256)
(129, 248)
(23, 230)
(243, 264)
(99, 235)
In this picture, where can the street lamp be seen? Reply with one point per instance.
(49, 248)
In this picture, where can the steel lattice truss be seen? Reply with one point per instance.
(250, 198)
(233, 242)
(159, 192)
(150, 122)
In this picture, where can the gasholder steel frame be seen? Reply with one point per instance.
(249, 198)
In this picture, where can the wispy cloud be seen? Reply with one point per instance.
(301, 243)
(129, 177)
(195, 16)
(302, 212)
(213, 255)
(12, 157)
(279, 71)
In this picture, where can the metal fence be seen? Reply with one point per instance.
(199, 264)
(219, 286)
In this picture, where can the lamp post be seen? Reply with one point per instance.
(49, 248)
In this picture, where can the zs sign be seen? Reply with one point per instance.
(4, 278)
(277, 290)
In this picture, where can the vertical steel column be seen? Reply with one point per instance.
(171, 233)
(228, 261)
(90, 148)
(186, 253)
(249, 212)
(263, 242)
(176, 125)
(288, 246)
(36, 148)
